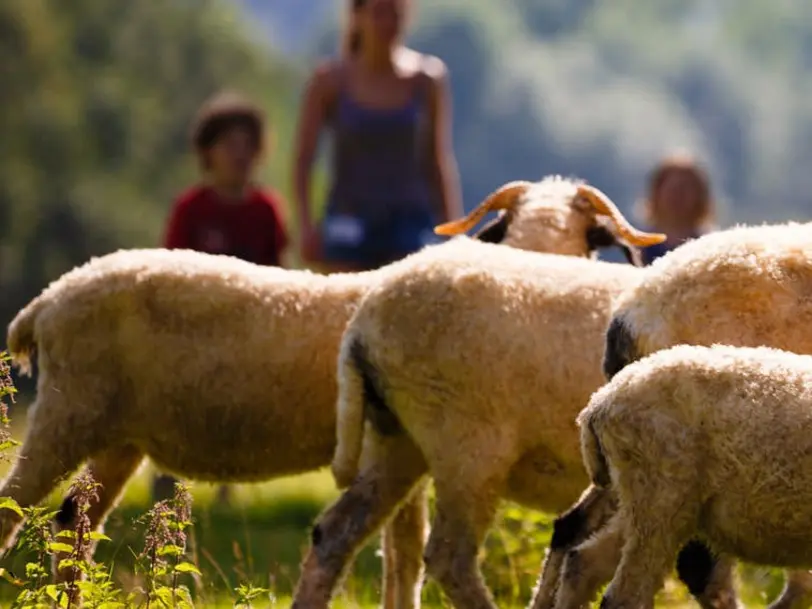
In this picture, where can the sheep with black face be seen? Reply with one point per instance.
(697, 442)
(747, 286)
(467, 363)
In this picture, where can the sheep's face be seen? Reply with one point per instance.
(619, 348)
(557, 216)
(640, 326)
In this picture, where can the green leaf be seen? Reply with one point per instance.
(9, 504)
(170, 550)
(96, 536)
(187, 567)
(52, 591)
(56, 546)
(164, 596)
(6, 575)
(66, 534)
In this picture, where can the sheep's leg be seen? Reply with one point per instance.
(390, 590)
(640, 575)
(111, 470)
(589, 566)
(797, 592)
(403, 542)
(341, 530)
(49, 453)
(467, 496)
(588, 515)
(657, 518)
(709, 578)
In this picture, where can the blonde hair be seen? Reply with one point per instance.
(705, 213)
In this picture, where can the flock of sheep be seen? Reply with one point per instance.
(480, 364)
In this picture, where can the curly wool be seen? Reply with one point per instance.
(745, 286)
(483, 356)
(696, 441)
(214, 368)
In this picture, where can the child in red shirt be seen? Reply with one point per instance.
(226, 213)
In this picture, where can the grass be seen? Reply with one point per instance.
(262, 539)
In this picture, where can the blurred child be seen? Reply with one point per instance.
(226, 212)
(679, 203)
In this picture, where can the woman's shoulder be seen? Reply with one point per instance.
(427, 66)
(434, 68)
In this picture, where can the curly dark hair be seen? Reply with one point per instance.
(223, 112)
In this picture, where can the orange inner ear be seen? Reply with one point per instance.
(503, 198)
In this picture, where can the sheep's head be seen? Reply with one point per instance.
(715, 277)
(620, 349)
(557, 216)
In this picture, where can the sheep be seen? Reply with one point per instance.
(696, 441)
(221, 370)
(747, 286)
(468, 363)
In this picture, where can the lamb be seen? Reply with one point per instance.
(176, 355)
(468, 363)
(746, 286)
(711, 442)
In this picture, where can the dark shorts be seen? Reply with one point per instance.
(368, 243)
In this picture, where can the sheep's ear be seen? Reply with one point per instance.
(504, 198)
(602, 205)
(495, 231)
(600, 236)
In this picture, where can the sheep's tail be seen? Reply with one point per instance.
(352, 365)
(592, 449)
(21, 338)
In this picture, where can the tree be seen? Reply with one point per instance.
(95, 118)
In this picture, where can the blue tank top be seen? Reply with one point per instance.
(379, 165)
(652, 252)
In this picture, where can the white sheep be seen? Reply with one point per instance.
(746, 286)
(701, 442)
(221, 370)
(468, 363)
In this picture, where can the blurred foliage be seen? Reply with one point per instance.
(98, 96)
(603, 90)
(95, 111)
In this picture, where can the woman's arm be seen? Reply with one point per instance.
(311, 120)
(443, 164)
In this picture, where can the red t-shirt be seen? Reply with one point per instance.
(250, 229)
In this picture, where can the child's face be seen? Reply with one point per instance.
(678, 197)
(232, 156)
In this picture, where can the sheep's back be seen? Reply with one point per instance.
(515, 335)
(725, 427)
(746, 286)
(184, 326)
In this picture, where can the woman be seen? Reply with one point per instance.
(679, 204)
(393, 174)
